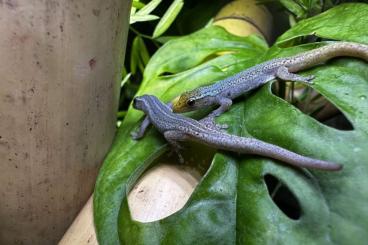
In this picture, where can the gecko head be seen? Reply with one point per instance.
(142, 102)
(190, 101)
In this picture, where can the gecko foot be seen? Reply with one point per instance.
(284, 74)
(176, 150)
(210, 123)
(309, 79)
(136, 135)
(181, 158)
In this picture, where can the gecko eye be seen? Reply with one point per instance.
(191, 102)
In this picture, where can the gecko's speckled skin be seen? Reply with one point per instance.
(176, 127)
(222, 92)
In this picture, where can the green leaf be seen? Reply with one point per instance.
(168, 18)
(338, 215)
(125, 79)
(343, 22)
(216, 222)
(128, 158)
(232, 204)
(149, 7)
(168, 59)
(144, 13)
(141, 18)
(294, 8)
(139, 55)
(137, 4)
(143, 52)
(302, 8)
(134, 56)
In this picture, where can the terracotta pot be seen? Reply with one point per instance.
(60, 71)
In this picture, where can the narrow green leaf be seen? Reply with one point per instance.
(134, 56)
(165, 39)
(168, 18)
(123, 72)
(141, 66)
(125, 79)
(149, 7)
(143, 52)
(132, 11)
(141, 18)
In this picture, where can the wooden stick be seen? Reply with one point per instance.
(82, 231)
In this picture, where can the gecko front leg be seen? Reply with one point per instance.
(225, 104)
(173, 137)
(144, 125)
(142, 129)
(284, 74)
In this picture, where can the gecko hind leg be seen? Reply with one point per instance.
(284, 74)
(210, 123)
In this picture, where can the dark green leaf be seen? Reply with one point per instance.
(294, 8)
(143, 52)
(344, 22)
(134, 56)
(302, 8)
(209, 227)
(168, 18)
(333, 205)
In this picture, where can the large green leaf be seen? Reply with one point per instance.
(128, 158)
(232, 204)
(346, 22)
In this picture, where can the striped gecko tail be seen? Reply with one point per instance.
(320, 55)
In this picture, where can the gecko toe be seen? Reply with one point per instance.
(221, 126)
(135, 135)
(310, 78)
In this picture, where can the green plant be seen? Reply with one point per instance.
(144, 39)
(232, 203)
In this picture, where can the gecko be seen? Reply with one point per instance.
(176, 128)
(224, 91)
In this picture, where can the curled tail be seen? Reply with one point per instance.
(320, 55)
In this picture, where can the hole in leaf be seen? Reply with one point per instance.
(339, 122)
(166, 73)
(283, 197)
(312, 103)
(165, 187)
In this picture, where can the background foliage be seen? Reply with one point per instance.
(155, 22)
